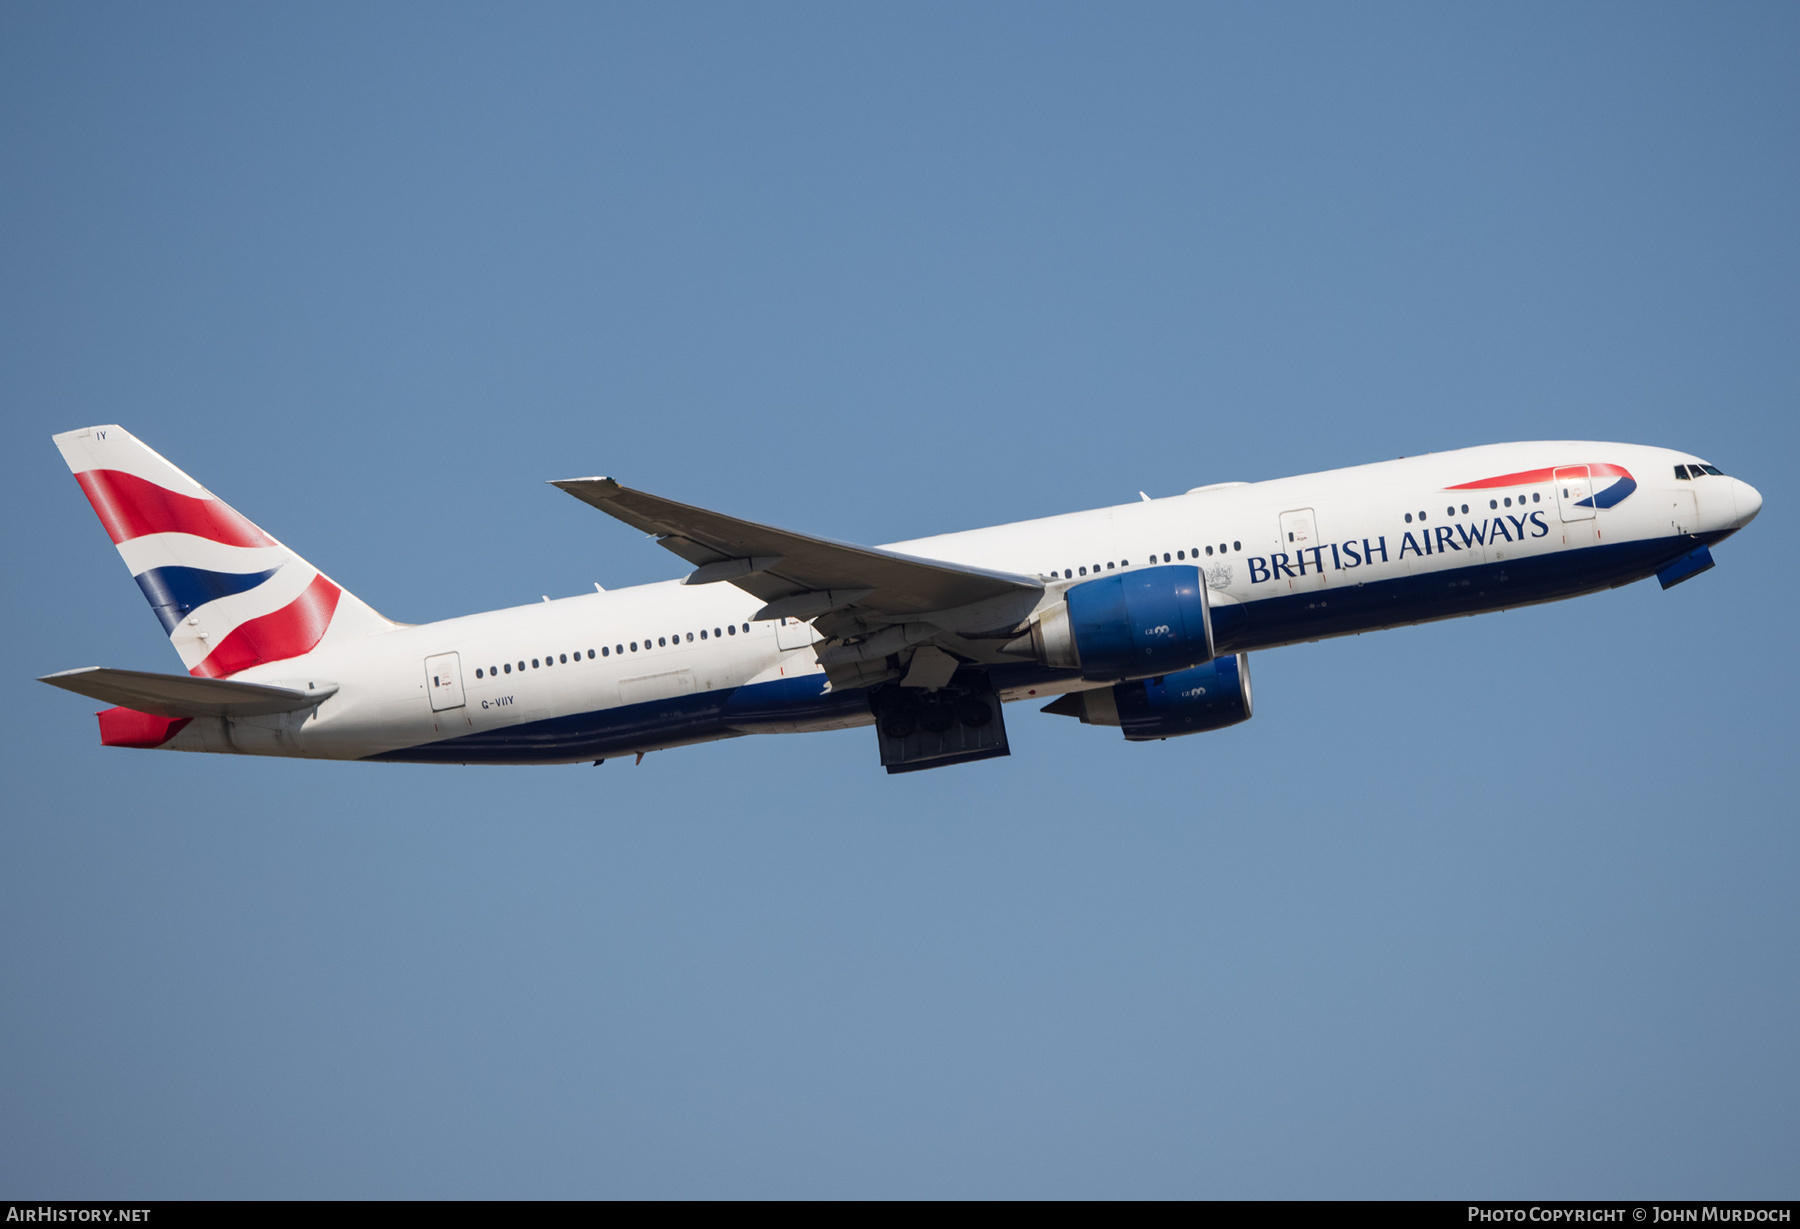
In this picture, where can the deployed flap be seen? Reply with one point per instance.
(178, 695)
(788, 564)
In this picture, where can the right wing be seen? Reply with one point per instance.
(180, 695)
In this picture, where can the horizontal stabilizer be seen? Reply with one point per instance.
(179, 695)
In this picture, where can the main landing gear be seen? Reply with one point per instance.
(954, 725)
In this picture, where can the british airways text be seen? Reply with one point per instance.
(1439, 541)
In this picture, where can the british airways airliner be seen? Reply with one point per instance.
(1141, 616)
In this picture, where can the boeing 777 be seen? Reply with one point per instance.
(1140, 616)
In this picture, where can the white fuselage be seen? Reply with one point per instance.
(663, 648)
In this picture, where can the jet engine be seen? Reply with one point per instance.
(1208, 697)
(1126, 626)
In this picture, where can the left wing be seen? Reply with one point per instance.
(792, 571)
(875, 606)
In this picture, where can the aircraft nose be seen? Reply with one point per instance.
(1749, 502)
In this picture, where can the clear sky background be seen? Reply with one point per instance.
(1497, 907)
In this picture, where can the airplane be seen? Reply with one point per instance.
(1140, 617)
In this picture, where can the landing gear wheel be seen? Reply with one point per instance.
(898, 724)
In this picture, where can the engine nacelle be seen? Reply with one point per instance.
(1208, 697)
(1128, 626)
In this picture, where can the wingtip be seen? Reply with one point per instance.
(610, 484)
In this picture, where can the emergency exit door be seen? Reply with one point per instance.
(443, 681)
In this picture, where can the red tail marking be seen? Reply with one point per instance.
(276, 636)
(131, 507)
(126, 727)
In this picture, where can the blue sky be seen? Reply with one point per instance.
(1496, 907)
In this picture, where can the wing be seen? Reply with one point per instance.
(795, 573)
(180, 695)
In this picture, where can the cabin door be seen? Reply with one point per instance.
(443, 681)
(792, 633)
(1573, 487)
(1575, 501)
(1305, 551)
(1683, 511)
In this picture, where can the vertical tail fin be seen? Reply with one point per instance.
(229, 595)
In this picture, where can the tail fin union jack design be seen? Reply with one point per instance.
(229, 596)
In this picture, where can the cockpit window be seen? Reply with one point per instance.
(1681, 472)
(1713, 470)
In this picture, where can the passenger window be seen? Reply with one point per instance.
(634, 646)
(1237, 546)
(605, 652)
(1508, 501)
(1209, 550)
(1066, 574)
(509, 667)
(534, 663)
(1165, 556)
(662, 642)
(703, 633)
(732, 630)
(1084, 571)
(1451, 511)
(1181, 554)
(1535, 497)
(1421, 516)
(1493, 503)
(590, 655)
(564, 658)
(1408, 521)
(1109, 567)
(746, 629)
(1465, 509)
(477, 671)
(690, 637)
